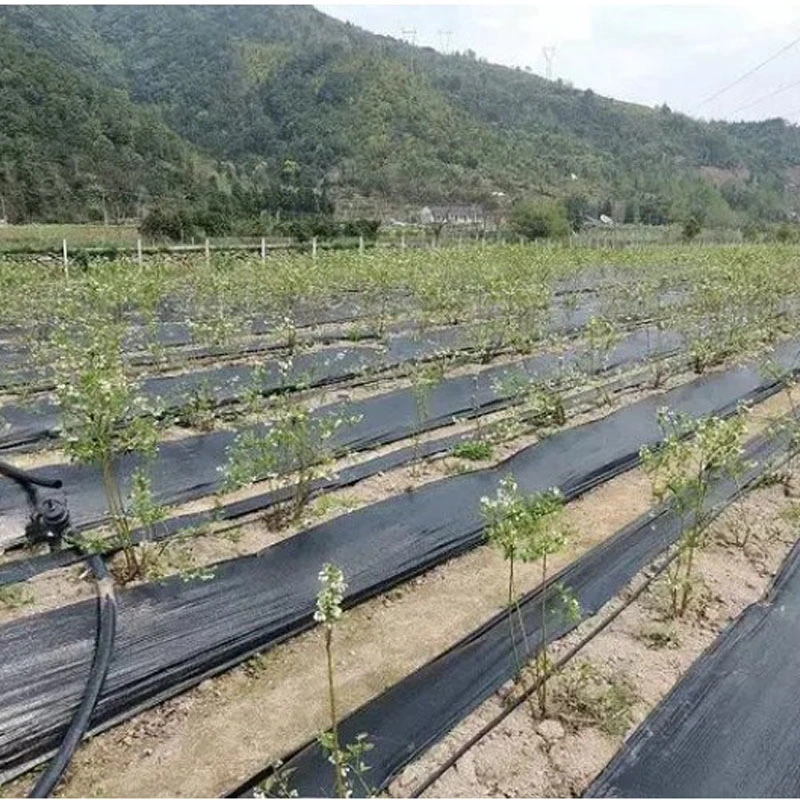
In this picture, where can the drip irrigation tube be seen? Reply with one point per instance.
(104, 646)
(49, 521)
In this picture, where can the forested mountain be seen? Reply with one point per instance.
(241, 110)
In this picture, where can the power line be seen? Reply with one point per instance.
(747, 74)
(766, 96)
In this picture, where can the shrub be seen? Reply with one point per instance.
(691, 228)
(539, 219)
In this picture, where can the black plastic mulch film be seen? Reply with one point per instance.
(731, 726)
(169, 331)
(188, 468)
(173, 635)
(409, 717)
(21, 569)
(37, 421)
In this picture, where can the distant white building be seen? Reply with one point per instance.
(453, 215)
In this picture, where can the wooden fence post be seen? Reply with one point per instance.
(65, 257)
(139, 250)
(314, 248)
(263, 249)
(361, 244)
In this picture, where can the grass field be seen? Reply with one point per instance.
(50, 237)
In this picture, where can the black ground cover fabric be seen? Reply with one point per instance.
(173, 634)
(22, 569)
(188, 468)
(15, 368)
(22, 425)
(406, 719)
(731, 727)
(36, 421)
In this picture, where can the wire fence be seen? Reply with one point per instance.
(77, 245)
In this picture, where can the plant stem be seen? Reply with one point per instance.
(337, 756)
(543, 650)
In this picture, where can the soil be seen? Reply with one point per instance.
(212, 737)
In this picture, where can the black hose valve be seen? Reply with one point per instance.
(55, 516)
(49, 522)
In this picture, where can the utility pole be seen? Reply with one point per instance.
(549, 53)
(444, 40)
(411, 34)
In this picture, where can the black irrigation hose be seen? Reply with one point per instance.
(104, 646)
(434, 776)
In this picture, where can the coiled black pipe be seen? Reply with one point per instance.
(50, 517)
(104, 646)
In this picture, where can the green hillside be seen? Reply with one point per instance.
(247, 109)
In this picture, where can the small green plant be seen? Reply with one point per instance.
(277, 783)
(198, 410)
(526, 529)
(585, 696)
(174, 557)
(15, 596)
(703, 353)
(533, 403)
(424, 378)
(790, 423)
(474, 450)
(297, 441)
(257, 665)
(680, 471)
(601, 337)
(327, 504)
(348, 760)
(659, 637)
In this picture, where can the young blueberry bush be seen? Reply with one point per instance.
(681, 469)
(527, 529)
(348, 760)
(296, 441)
(104, 416)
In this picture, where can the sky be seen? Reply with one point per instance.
(648, 53)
